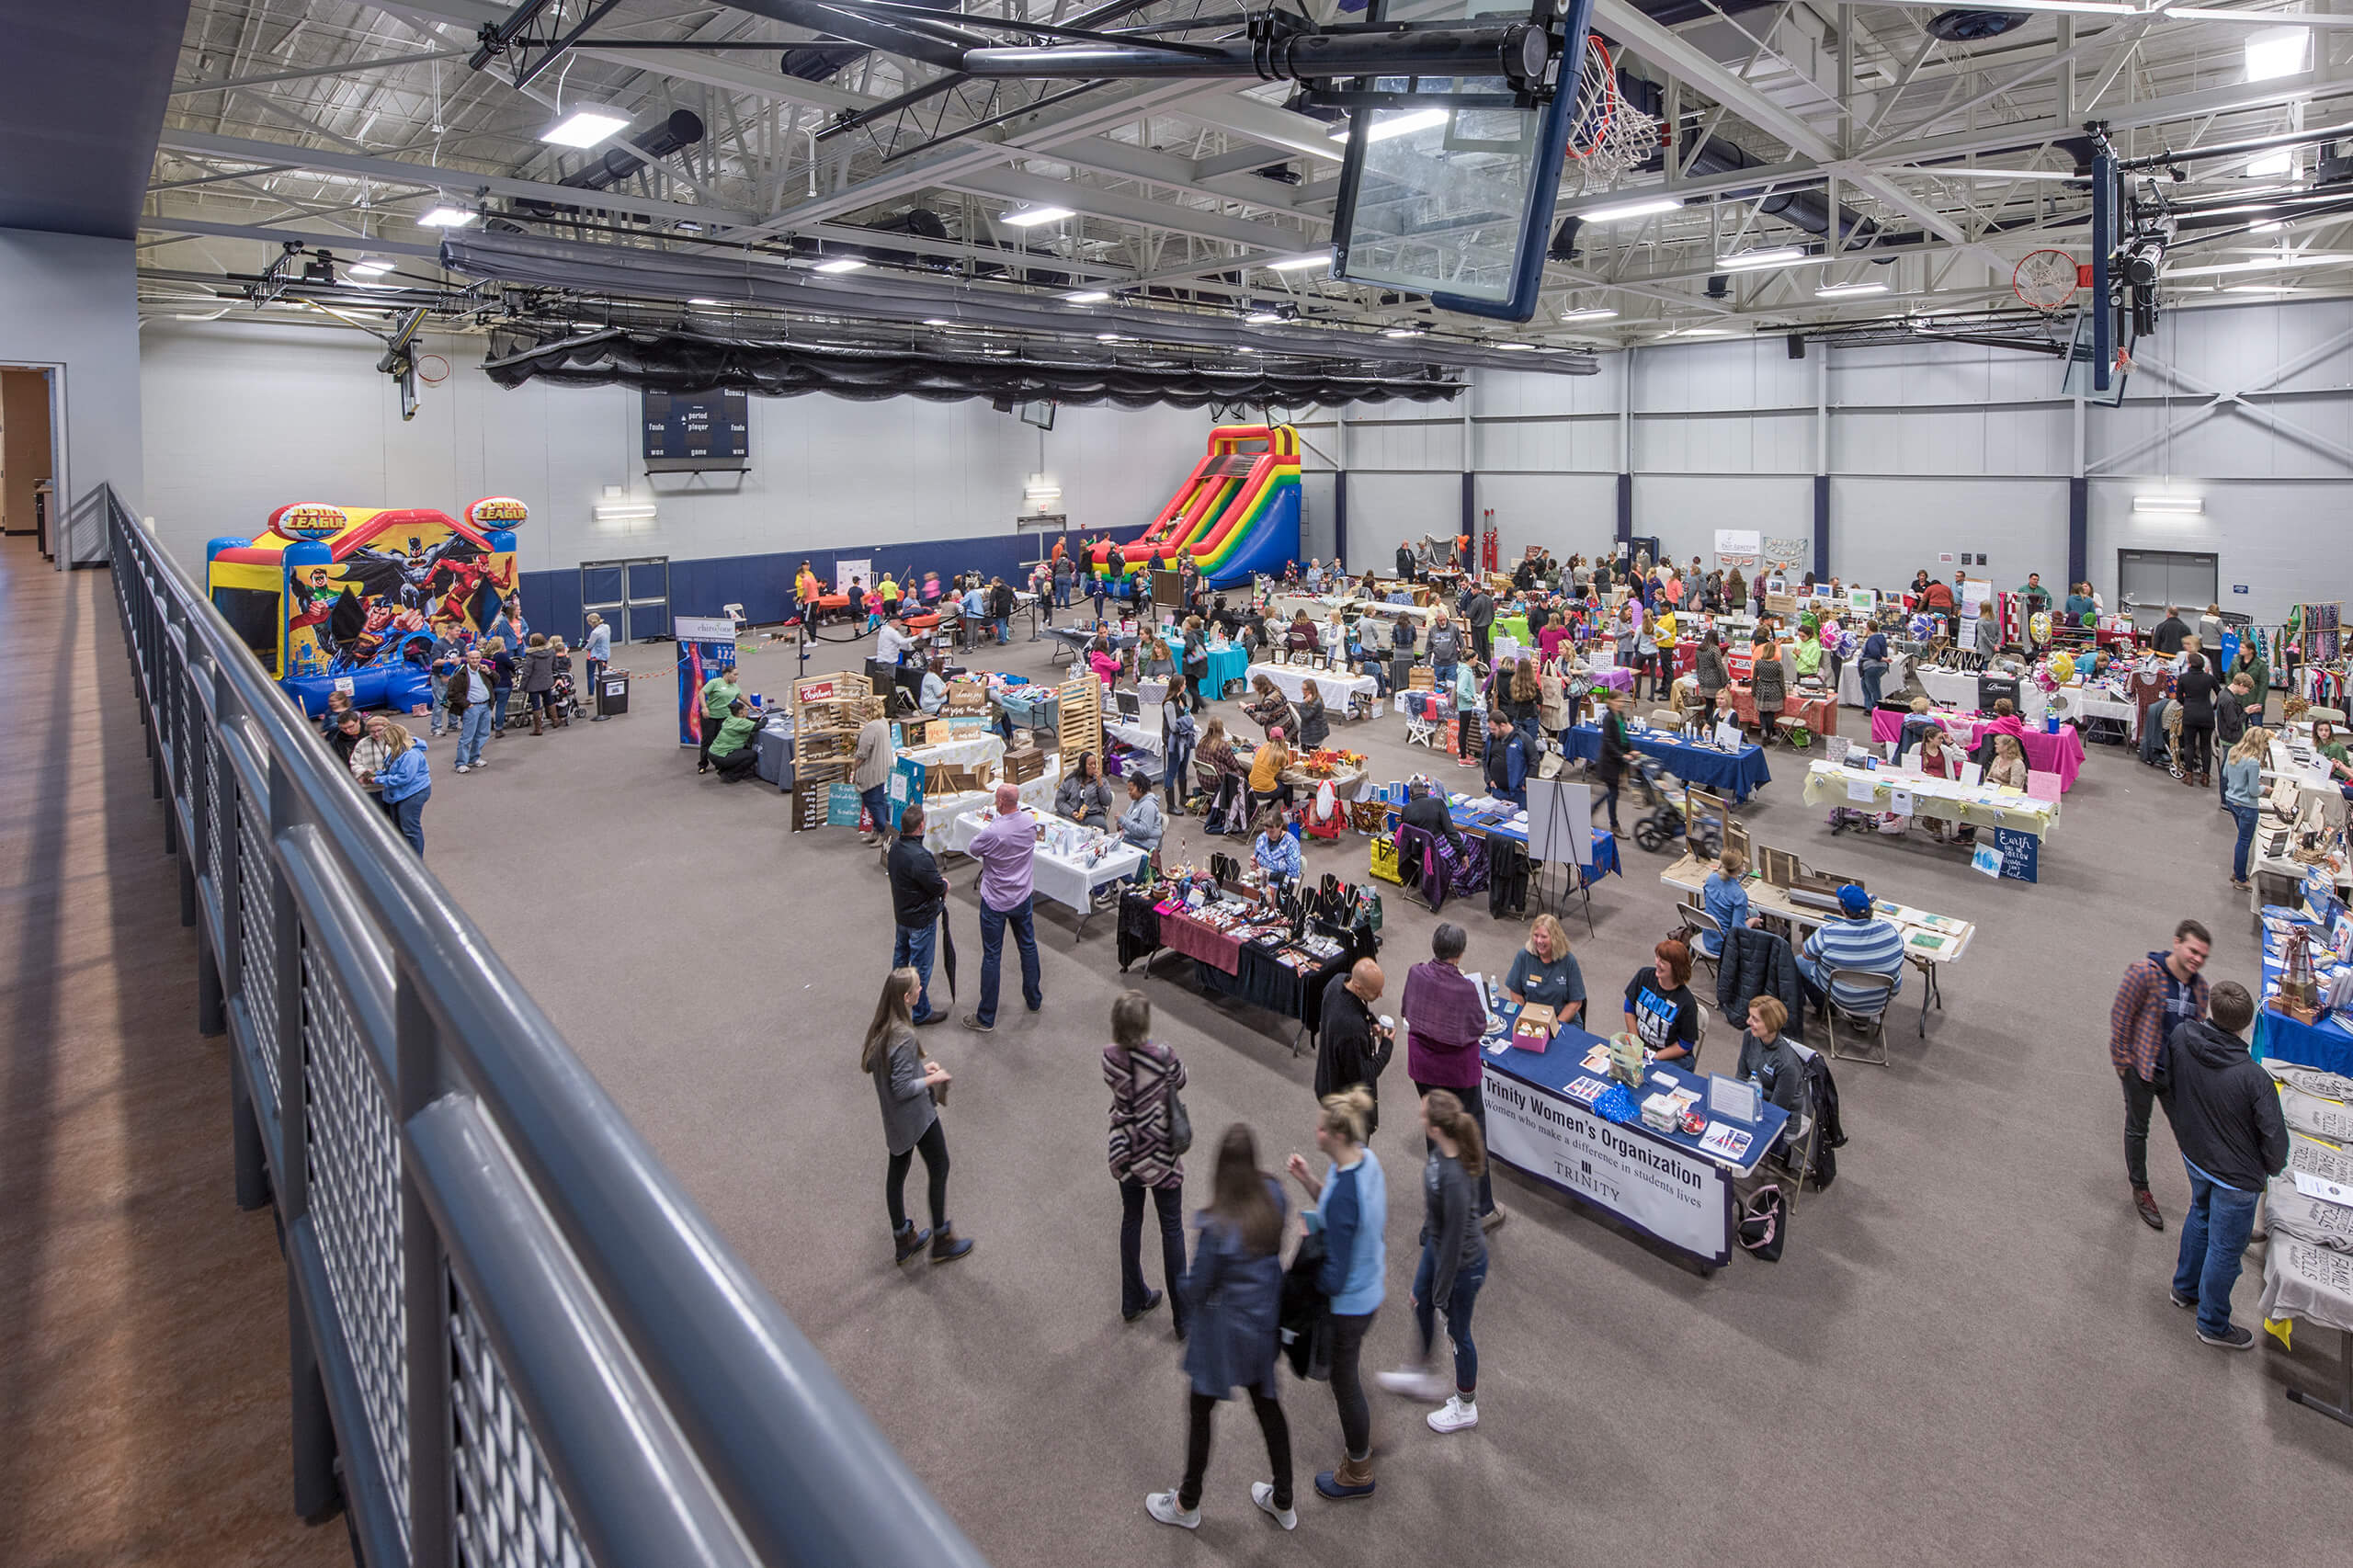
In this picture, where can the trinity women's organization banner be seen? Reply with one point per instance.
(1678, 1197)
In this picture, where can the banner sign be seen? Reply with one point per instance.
(1682, 1199)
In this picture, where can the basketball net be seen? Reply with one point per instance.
(1608, 136)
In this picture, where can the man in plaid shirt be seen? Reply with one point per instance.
(2160, 994)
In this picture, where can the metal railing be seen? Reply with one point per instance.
(514, 1339)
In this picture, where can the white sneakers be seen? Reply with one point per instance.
(463, 768)
(1163, 1506)
(1263, 1494)
(1455, 1416)
(1415, 1382)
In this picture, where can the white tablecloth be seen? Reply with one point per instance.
(1337, 686)
(1949, 688)
(1064, 880)
(965, 751)
(1850, 679)
(1142, 737)
(2085, 707)
(940, 812)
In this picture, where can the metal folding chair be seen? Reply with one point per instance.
(1695, 917)
(1865, 1020)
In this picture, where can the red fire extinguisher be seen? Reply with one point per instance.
(1488, 546)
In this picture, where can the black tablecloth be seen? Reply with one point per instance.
(1260, 979)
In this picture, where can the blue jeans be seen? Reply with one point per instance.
(1870, 672)
(2247, 817)
(1443, 677)
(1176, 775)
(878, 807)
(1025, 935)
(2213, 1239)
(1061, 593)
(473, 730)
(1004, 629)
(409, 817)
(1458, 1316)
(912, 949)
(499, 697)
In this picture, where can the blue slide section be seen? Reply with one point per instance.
(1272, 543)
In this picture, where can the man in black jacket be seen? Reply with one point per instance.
(2225, 1113)
(1354, 1046)
(2170, 633)
(1001, 603)
(918, 898)
(1479, 609)
(1405, 561)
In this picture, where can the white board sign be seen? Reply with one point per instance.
(1560, 821)
(1675, 1196)
(703, 628)
(863, 570)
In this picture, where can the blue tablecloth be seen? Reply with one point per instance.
(1605, 844)
(1562, 1065)
(2327, 1045)
(1229, 663)
(1032, 707)
(1725, 773)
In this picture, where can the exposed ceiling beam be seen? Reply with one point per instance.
(275, 236)
(352, 68)
(1014, 186)
(426, 177)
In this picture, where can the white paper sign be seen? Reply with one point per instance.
(2327, 1192)
(1670, 1192)
(1861, 791)
(862, 569)
(1728, 735)
(1986, 859)
(1900, 801)
(1835, 747)
(1734, 1098)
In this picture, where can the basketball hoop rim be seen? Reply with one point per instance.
(1605, 100)
(2061, 304)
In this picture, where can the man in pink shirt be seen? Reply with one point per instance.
(1005, 847)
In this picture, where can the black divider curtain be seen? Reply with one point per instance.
(689, 362)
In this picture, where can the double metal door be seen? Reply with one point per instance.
(632, 595)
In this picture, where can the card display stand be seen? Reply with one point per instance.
(828, 713)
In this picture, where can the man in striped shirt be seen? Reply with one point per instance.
(1859, 940)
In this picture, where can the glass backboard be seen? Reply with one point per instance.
(2082, 356)
(1456, 201)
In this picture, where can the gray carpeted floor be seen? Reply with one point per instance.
(1966, 1354)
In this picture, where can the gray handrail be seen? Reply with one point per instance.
(800, 1470)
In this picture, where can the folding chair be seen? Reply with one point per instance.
(1696, 919)
(1869, 1018)
(1803, 1137)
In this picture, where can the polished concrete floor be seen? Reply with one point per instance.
(142, 1317)
(1966, 1355)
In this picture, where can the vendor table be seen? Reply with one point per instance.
(2062, 753)
(1030, 707)
(2122, 710)
(1666, 1185)
(1338, 688)
(1066, 880)
(941, 811)
(1980, 805)
(1726, 773)
(1484, 824)
(1850, 678)
(1818, 713)
(1075, 639)
(1225, 965)
(964, 751)
(2326, 1044)
(1930, 941)
(1946, 688)
(1228, 662)
(1347, 783)
(1617, 679)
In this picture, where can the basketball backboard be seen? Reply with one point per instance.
(1449, 183)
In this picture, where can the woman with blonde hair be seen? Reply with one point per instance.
(1545, 974)
(2242, 793)
(1352, 1214)
(2009, 764)
(1453, 1266)
(910, 1089)
(403, 778)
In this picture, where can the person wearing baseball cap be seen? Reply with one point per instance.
(1858, 940)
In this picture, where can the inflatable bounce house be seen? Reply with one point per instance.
(352, 598)
(1236, 514)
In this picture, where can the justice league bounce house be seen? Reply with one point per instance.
(352, 598)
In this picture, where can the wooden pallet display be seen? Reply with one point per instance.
(1081, 706)
(828, 713)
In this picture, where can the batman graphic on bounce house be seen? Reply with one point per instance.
(354, 598)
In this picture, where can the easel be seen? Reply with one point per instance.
(1553, 823)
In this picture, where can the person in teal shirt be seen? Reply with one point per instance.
(732, 751)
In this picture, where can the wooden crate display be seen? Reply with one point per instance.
(828, 713)
(1081, 705)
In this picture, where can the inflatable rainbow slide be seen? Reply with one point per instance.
(1235, 515)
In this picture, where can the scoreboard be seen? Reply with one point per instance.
(687, 430)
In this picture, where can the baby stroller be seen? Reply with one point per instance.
(1662, 822)
(564, 696)
(2161, 736)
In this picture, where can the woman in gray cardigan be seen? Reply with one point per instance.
(910, 1089)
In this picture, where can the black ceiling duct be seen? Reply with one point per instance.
(683, 129)
(1973, 26)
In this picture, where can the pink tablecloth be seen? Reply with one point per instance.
(2062, 753)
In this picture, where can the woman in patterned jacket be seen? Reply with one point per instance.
(1144, 1076)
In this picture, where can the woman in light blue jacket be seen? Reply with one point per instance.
(1352, 1213)
(406, 780)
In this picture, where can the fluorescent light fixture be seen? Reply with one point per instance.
(1244, 348)
(2273, 165)
(447, 217)
(2261, 264)
(1031, 217)
(585, 126)
(1042, 491)
(1403, 332)
(1778, 255)
(1301, 263)
(1396, 124)
(1110, 337)
(2275, 51)
(1261, 318)
(1848, 291)
(838, 266)
(1960, 170)
(1087, 297)
(1702, 331)
(2171, 505)
(1619, 211)
(2273, 227)
(369, 267)
(935, 321)
(616, 511)
(1596, 313)
(710, 302)
(1515, 347)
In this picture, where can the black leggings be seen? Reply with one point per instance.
(1276, 1431)
(1348, 1382)
(933, 1147)
(2198, 747)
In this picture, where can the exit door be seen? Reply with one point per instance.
(632, 595)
